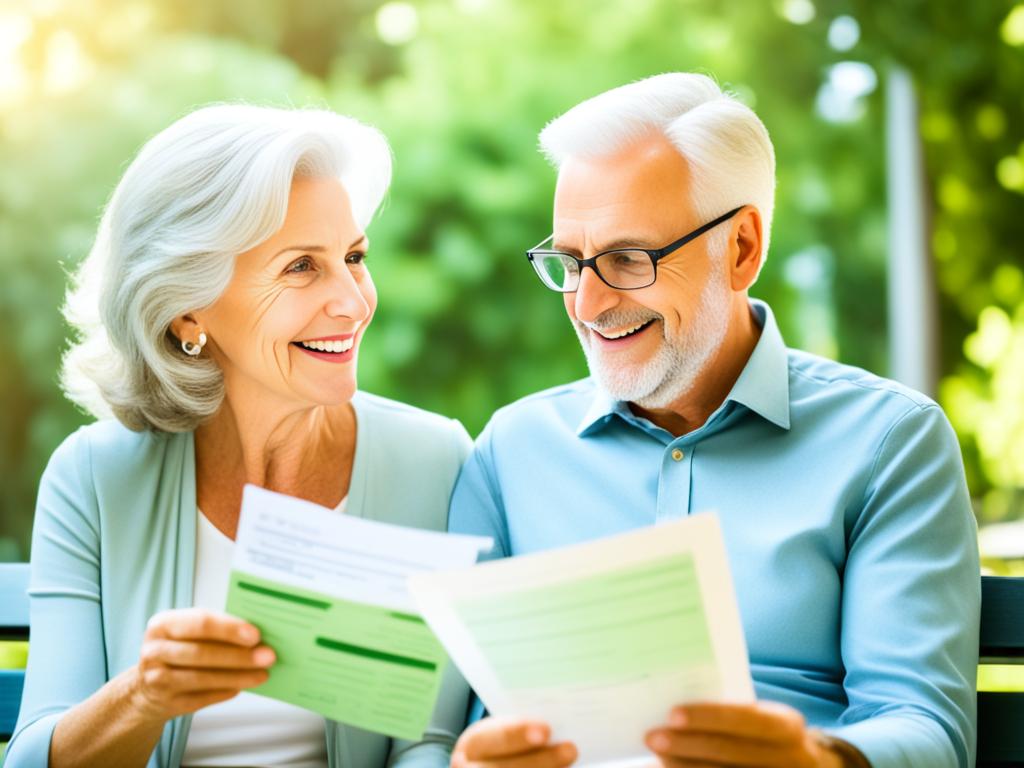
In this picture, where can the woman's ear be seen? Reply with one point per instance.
(186, 328)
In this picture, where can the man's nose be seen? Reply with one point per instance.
(593, 296)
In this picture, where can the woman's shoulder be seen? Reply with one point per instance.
(408, 420)
(396, 426)
(106, 450)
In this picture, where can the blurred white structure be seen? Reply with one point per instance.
(913, 318)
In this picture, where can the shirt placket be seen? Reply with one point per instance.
(674, 486)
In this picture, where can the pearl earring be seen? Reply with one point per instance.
(193, 350)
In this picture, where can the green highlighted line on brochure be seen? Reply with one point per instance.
(369, 653)
(321, 604)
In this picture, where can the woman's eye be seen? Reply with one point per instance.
(305, 264)
(356, 257)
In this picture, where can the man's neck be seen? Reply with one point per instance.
(692, 409)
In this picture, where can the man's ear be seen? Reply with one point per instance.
(745, 247)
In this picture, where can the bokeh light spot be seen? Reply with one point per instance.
(67, 65)
(991, 121)
(1012, 29)
(1010, 173)
(397, 23)
(796, 11)
(843, 33)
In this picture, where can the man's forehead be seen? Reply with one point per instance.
(637, 194)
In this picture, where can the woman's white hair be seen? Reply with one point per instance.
(725, 144)
(214, 184)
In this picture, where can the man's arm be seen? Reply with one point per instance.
(911, 604)
(477, 509)
(476, 505)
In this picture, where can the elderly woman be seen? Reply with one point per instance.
(220, 312)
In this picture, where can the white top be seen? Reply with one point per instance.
(248, 730)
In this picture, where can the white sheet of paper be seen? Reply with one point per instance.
(304, 545)
(599, 639)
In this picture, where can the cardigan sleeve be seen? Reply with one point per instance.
(67, 661)
(434, 749)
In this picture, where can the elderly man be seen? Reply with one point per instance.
(841, 494)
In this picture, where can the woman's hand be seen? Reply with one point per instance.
(499, 743)
(193, 658)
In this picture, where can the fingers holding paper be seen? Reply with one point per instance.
(191, 658)
(506, 743)
(762, 734)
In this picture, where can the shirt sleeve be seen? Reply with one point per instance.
(477, 509)
(911, 604)
(476, 506)
(66, 661)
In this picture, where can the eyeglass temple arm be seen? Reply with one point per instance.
(695, 234)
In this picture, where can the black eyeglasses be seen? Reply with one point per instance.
(625, 269)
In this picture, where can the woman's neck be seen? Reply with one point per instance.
(304, 452)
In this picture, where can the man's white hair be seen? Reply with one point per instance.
(725, 144)
(214, 184)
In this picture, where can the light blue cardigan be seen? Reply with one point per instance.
(114, 543)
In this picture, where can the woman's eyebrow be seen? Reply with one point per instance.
(318, 248)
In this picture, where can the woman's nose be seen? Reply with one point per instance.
(345, 299)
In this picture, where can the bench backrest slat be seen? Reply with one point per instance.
(1001, 715)
(13, 626)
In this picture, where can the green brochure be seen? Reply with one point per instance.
(328, 593)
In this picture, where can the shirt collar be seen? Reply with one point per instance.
(763, 385)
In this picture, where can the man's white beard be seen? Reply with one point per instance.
(674, 367)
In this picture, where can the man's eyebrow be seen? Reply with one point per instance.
(319, 248)
(622, 242)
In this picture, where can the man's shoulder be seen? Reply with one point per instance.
(565, 400)
(817, 381)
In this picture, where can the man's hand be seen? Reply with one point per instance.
(501, 743)
(763, 734)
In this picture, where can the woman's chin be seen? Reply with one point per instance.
(326, 393)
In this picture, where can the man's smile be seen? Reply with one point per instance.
(623, 336)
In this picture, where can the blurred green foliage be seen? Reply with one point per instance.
(461, 88)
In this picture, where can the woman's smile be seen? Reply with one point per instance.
(331, 349)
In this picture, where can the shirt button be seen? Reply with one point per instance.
(677, 455)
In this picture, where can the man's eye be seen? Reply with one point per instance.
(305, 264)
(356, 257)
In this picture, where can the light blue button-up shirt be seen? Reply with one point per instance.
(846, 519)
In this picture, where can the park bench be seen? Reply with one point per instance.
(1000, 714)
(13, 626)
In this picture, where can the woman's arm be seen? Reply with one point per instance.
(190, 659)
(105, 729)
(70, 714)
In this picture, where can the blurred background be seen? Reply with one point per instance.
(898, 128)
